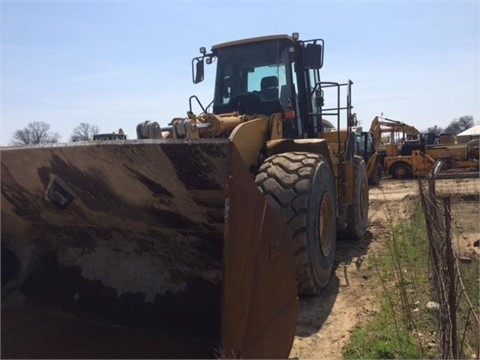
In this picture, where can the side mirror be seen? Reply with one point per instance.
(313, 56)
(197, 70)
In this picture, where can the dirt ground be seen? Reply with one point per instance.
(325, 322)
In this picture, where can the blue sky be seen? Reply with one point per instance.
(115, 64)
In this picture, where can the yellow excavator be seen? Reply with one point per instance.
(196, 238)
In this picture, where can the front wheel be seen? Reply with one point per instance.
(300, 186)
(401, 171)
(375, 178)
(357, 212)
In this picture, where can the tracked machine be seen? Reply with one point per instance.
(195, 239)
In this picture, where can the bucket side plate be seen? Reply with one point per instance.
(260, 307)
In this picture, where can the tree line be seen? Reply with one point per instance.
(455, 127)
(38, 132)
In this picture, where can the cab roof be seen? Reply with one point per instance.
(252, 40)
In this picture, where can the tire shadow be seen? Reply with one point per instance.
(314, 310)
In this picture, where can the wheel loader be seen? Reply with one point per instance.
(195, 239)
(367, 149)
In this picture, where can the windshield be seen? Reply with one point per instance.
(258, 70)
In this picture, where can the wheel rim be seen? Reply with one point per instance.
(325, 224)
(401, 172)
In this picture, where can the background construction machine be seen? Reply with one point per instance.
(406, 152)
(368, 151)
(204, 230)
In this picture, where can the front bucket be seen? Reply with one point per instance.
(129, 234)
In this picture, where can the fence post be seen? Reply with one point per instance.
(450, 260)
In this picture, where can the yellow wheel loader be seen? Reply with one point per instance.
(195, 239)
(366, 148)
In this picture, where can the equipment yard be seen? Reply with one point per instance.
(326, 322)
(223, 228)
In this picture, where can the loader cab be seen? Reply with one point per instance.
(250, 76)
(365, 146)
(267, 75)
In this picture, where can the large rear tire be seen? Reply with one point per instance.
(357, 213)
(300, 185)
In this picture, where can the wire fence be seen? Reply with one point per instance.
(457, 313)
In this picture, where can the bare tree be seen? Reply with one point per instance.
(437, 130)
(83, 132)
(456, 126)
(36, 132)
